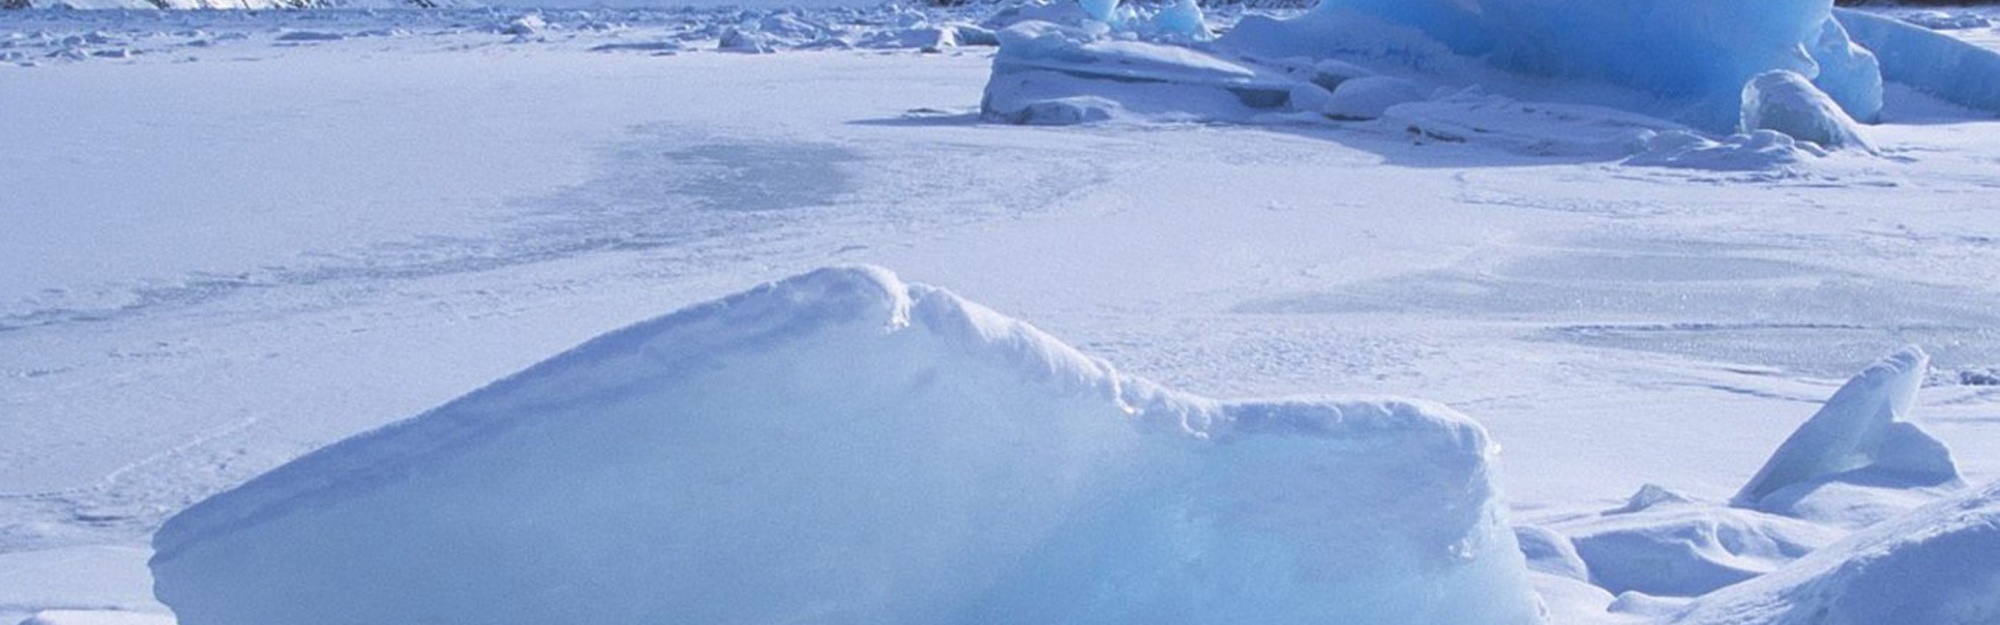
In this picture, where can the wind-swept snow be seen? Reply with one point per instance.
(841, 447)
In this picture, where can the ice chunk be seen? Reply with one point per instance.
(840, 447)
(749, 41)
(1330, 73)
(1060, 12)
(930, 38)
(1310, 98)
(1786, 102)
(1938, 64)
(1105, 11)
(1650, 495)
(526, 25)
(970, 35)
(1181, 20)
(1861, 433)
(1551, 553)
(1931, 566)
(1848, 73)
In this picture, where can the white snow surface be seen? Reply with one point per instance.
(840, 447)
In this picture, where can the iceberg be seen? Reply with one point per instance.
(841, 447)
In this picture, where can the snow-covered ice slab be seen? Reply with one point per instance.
(1932, 566)
(840, 447)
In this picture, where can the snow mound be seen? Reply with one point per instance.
(1860, 442)
(840, 447)
(1941, 65)
(1758, 151)
(1551, 553)
(1785, 102)
(1667, 544)
(1368, 97)
(1932, 566)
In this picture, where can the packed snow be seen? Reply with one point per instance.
(234, 239)
(841, 447)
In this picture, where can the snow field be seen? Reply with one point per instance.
(1612, 326)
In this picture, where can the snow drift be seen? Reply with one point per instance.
(1666, 544)
(1933, 566)
(842, 448)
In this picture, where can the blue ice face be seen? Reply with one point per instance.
(1700, 51)
(1670, 47)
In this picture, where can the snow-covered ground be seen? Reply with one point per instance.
(228, 239)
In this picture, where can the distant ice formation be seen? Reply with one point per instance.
(1720, 67)
(841, 447)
